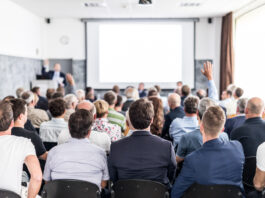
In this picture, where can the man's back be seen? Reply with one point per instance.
(216, 162)
(251, 134)
(234, 123)
(142, 156)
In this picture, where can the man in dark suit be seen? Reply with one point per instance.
(176, 111)
(42, 102)
(56, 74)
(216, 162)
(185, 92)
(142, 90)
(142, 155)
(237, 121)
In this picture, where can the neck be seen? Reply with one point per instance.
(7, 132)
(206, 138)
(18, 124)
(174, 107)
(62, 116)
(112, 106)
(248, 116)
(190, 114)
(118, 109)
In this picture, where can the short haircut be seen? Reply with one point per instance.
(69, 100)
(57, 107)
(141, 113)
(18, 107)
(80, 93)
(49, 93)
(116, 89)
(101, 108)
(241, 104)
(255, 106)
(19, 92)
(119, 101)
(6, 115)
(158, 89)
(8, 98)
(185, 90)
(239, 92)
(191, 104)
(35, 89)
(204, 104)
(152, 92)
(228, 92)
(80, 123)
(57, 95)
(213, 120)
(28, 97)
(110, 97)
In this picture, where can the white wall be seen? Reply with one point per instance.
(21, 31)
(208, 43)
(58, 28)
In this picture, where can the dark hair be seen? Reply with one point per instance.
(57, 107)
(8, 98)
(141, 113)
(239, 92)
(61, 90)
(89, 95)
(88, 89)
(157, 125)
(185, 90)
(191, 104)
(57, 95)
(35, 89)
(228, 92)
(110, 97)
(119, 101)
(116, 89)
(49, 93)
(6, 115)
(80, 122)
(158, 89)
(152, 93)
(18, 107)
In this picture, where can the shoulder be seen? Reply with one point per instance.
(261, 148)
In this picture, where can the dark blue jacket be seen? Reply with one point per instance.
(142, 156)
(234, 123)
(216, 162)
(49, 75)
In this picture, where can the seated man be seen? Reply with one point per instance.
(216, 162)
(42, 102)
(20, 117)
(71, 102)
(191, 141)
(49, 131)
(78, 159)
(259, 179)
(14, 152)
(188, 123)
(142, 155)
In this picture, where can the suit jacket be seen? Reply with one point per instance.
(42, 103)
(142, 156)
(234, 123)
(127, 104)
(251, 134)
(143, 93)
(49, 75)
(216, 162)
(178, 112)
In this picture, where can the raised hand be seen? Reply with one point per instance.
(207, 70)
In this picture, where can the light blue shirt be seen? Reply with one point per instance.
(212, 91)
(77, 159)
(181, 126)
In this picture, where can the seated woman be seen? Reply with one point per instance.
(158, 122)
(102, 124)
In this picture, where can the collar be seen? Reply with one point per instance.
(190, 118)
(58, 119)
(85, 140)
(177, 108)
(256, 119)
(141, 133)
(101, 119)
(213, 142)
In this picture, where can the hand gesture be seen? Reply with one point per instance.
(207, 70)
(70, 79)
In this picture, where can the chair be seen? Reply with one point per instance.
(216, 191)
(49, 145)
(134, 188)
(249, 173)
(8, 194)
(70, 189)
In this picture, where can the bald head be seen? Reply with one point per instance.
(174, 100)
(87, 105)
(255, 107)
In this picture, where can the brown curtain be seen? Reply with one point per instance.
(227, 53)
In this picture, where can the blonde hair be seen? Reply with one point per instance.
(101, 107)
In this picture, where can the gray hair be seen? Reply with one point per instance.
(80, 93)
(241, 104)
(204, 104)
(70, 99)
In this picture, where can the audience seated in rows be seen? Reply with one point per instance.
(216, 162)
(71, 102)
(158, 120)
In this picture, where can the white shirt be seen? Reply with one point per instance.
(100, 139)
(13, 151)
(261, 157)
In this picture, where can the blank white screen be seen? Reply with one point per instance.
(140, 53)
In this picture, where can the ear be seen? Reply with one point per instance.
(246, 110)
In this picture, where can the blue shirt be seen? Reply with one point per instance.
(181, 126)
(192, 141)
(212, 91)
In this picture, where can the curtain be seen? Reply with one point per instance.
(227, 53)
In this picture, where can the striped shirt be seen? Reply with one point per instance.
(49, 131)
(117, 118)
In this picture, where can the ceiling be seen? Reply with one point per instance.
(131, 8)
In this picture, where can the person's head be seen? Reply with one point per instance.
(19, 108)
(204, 104)
(179, 84)
(141, 114)
(238, 93)
(213, 121)
(191, 105)
(49, 93)
(6, 118)
(57, 107)
(80, 94)
(29, 98)
(8, 98)
(231, 88)
(129, 92)
(173, 100)
(57, 67)
(19, 92)
(89, 106)
(201, 93)
(46, 62)
(152, 92)
(119, 102)
(71, 101)
(61, 90)
(241, 105)
(255, 108)
(90, 93)
(158, 89)
(57, 95)
(116, 89)
(158, 121)
(102, 108)
(185, 90)
(80, 123)
(141, 86)
(226, 94)
(110, 97)
(36, 90)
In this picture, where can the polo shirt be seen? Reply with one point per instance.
(117, 118)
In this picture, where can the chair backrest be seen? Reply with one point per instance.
(8, 194)
(70, 189)
(134, 188)
(216, 191)
(249, 171)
